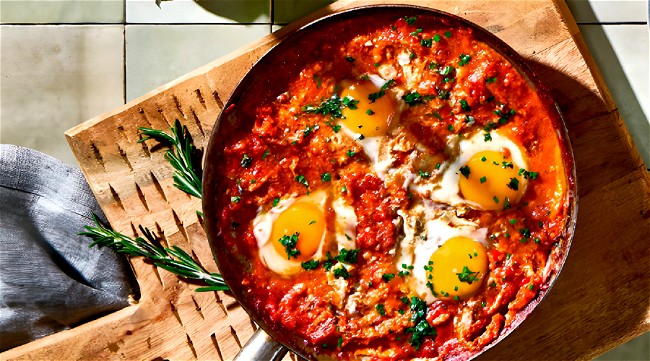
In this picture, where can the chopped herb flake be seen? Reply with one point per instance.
(289, 243)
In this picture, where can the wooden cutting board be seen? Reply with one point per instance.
(600, 300)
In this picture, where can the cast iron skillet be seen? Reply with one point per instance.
(263, 78)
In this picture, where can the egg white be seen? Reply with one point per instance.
(426, 228)
(377, 148)
(446, 189)
(344, 235)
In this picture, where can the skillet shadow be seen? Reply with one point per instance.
(604, 287)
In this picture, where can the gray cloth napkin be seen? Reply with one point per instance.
(49, 279)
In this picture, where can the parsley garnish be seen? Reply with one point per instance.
(412, 98)
(332, 106)
(424, 174)
(339, 343)
(506, 203)
(410, 20)
(329, 262)
(388, 276)
(421, 328)
(374, 96)
(491, 80)
(349, 58)
(246, 161)
(447, 34)
(346, 256)
(427, 43)
(341, 272)
(436, 38)
(325, 177)
(380, 309)
(467, 276)
(527, 174)
(266, 154)
(370, 112)
(302, 180)
(464, 59)
(289, 243)
(465, 171)
(464, 105)
(446, 70)
(483, 179)
(310, 265)
(487, 137)
(275, 202)
(235, 199)
(350, 153)
(496, 199)
(513, 184)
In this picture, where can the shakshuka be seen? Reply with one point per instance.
(393, 189)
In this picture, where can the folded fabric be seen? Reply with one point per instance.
(50, 279)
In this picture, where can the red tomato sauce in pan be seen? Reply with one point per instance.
(372, 136)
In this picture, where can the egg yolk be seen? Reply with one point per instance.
(305, 219)
(370, 118)
(490, 179)
(457, 267)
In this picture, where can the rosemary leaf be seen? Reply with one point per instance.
(183, 156)
(174, 259)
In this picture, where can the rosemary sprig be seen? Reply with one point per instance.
(183, 156)
(174, 259)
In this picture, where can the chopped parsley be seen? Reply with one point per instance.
(310, 265)
(424, 174)
(235, 199)
(464, 59)
(487, 137)
(309, 129)
(527, 174)
(370, 112)
(436, 38)
(380, 309)
(496, 199)
(483, 179)
(469, 119)
(447, 34)
(350, 59)
(421, 327)
(339, 343)
(275, 202)
(513, 184)
(302, 180)
(289, 243)
(446, 70)
(266, 154)
(350, 153)
(412, 98)
(506, 203)
(491, 80)
(464, 105)
(382, 91)
(525, 232)
(341, 272)
(346, 256)
(410, 20)
(329, 262)
(443, 94)
(246, 161)
(450, 127)
(467, 276)
(427, 43)
(332, 106)
(325, 177)
(465, 171)
(388, 276)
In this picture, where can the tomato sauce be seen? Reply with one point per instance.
(275, 149)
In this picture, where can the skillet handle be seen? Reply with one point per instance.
(261, 347)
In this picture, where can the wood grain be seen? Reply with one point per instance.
(600, 300)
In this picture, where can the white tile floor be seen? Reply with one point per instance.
(66, 61)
